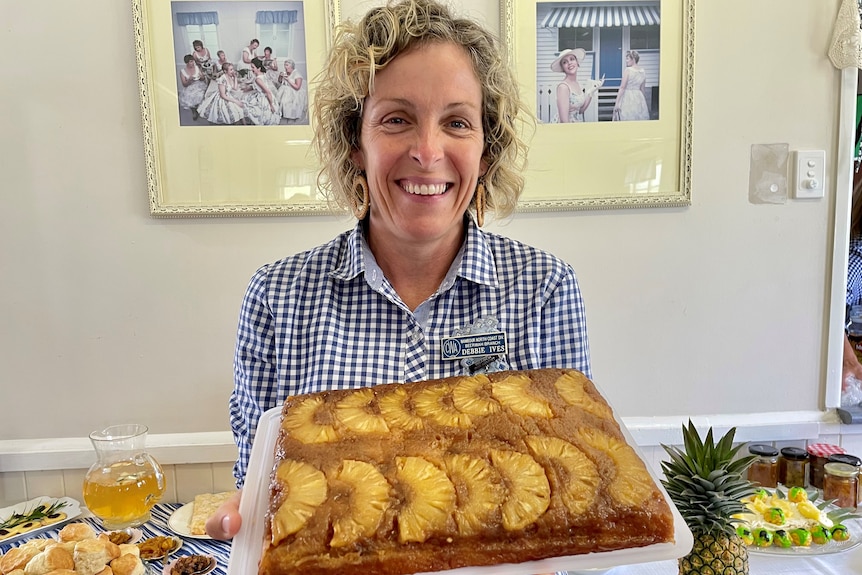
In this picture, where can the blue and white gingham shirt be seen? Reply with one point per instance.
(328, 319)
(854, 273)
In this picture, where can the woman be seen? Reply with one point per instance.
(248, 54)
(270, 63)
(851, 365)
(203, 59)
(631, 97)
(292, 92)
(194, 86)
(437, 136)
(572, 100)
(224, 105)
(261, 107)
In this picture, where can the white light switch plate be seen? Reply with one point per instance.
(810, 171)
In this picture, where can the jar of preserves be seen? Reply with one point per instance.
(764, 469)
(841, 484)
(792, 467)
(818, 456)
(850, 460)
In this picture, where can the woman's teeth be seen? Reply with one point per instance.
(425, 189)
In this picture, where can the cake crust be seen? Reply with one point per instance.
(463, 471)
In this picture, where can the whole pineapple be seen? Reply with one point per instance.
(706, 484)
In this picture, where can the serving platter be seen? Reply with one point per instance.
(71, 507)
(247, 545)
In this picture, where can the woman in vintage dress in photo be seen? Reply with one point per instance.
(261, 107)
(194, 86)
(203, 59)
(631, 99)
(224, 105)
(572, 100)
(248, 54)
(292, 92)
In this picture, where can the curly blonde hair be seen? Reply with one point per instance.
(365, 47)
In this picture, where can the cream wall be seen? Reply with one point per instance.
(110, 315)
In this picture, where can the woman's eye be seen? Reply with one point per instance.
(458, 124)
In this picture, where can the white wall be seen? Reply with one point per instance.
(109, 315)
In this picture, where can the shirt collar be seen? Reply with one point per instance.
(475, 261)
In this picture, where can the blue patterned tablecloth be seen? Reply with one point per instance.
(158, 525)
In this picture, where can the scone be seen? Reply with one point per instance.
(76, 532)
(50, 559)
(93, 555)
(127, 564)
(17, 558)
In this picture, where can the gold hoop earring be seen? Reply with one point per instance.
(480, 202)
(360, 190)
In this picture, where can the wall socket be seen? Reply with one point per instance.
(810, 172)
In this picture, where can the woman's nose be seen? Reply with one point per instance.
(427, 147)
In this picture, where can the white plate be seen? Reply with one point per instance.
(815, 549)
(72, 510)
(180, 522)
(247, 545)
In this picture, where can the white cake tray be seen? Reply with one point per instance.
(248, 544)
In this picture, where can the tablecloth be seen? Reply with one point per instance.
(846, 563)
(158, 525)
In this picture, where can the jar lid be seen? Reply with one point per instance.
(794, 453)
(841, 469)
(824, 449)
(763, 450)
(845, 458)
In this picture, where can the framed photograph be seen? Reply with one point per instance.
(611, 85)
(225, 97)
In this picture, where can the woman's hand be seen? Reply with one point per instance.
(226, 521)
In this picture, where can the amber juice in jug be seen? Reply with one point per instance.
(125, 482)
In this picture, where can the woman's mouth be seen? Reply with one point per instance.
(424, 189)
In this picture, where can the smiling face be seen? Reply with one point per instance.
(569, 64)
(421, 144)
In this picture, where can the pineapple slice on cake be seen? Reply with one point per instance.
(478, 489)
(395, 407)
(570, 386)
(632, 484)
(435, 403)
(705, 480)
(429, 499)
(470, 396)
(528, 491)
(515, 394)
(356, 413)
(305, 489)
(306, 422)
(579, 482)
(368, 501)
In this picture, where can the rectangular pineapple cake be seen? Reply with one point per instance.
(464, 471)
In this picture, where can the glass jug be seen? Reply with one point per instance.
(125, 482)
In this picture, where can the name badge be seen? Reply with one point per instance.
(474, 345)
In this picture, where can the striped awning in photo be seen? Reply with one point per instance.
(605, 16)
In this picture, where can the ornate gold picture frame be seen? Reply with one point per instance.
(204, 169)
(598, 161)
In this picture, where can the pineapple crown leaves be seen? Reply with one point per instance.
(705, 480)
